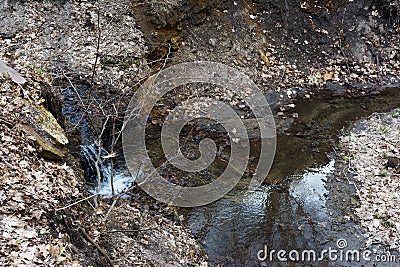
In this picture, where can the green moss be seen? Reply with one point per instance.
(49, 124)
(163, 25)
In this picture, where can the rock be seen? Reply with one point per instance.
(393, 162)
(47, 123)
(49, 150)
(47, 132)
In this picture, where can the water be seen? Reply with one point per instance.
(122, 179)
(306, 213)
(75, 114)
(309, 189)
(299, 215)
(122, 182)
(236, 227)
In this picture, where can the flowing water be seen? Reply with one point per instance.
(306, 202)
(73, 111)
(121, 177)
(301, 206)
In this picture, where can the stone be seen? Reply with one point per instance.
(48, 150)
(46, 131)
(47, 123)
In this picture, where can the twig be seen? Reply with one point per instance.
(131, 231)
(73, 87)
(155, 75)
(112, 177)
(166, 58)
(99, 155)
(97, 46)
(157, 60)
(118, 197)
(102, 252)
(84, 107)
(112, 151)
(75, 203)
(109, 210)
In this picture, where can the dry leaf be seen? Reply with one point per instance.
(328, 76)
(15, 76)
(264, 58)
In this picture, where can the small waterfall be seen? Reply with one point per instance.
(122, 178)
(73, 112)
(88, 159)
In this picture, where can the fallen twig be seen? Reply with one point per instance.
(110, 209)
(75, 203)
(131, 231)
(97, 46)
(102, 252)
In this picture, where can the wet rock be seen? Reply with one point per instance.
(393, 162)
(336, 88)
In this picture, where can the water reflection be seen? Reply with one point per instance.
(309, 188)
(236, 227)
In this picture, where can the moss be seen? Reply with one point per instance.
(163, 25)
(48, 150)
(49, 124)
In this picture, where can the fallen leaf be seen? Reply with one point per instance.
(264, 58)
(328, 76)
(15, 76)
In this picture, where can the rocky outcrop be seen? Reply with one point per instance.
(46, 131)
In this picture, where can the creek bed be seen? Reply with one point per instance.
(306, 203)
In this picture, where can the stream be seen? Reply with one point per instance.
(235, 228)
(306, 203)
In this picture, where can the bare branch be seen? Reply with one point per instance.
(75, 203)
(102, 252)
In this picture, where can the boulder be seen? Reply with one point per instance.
(46, 122)
(46, 131)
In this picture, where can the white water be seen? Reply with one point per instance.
(122, 179)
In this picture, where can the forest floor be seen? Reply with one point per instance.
(44, 41)
(38, 224)
(372, 150)
(294, 52)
